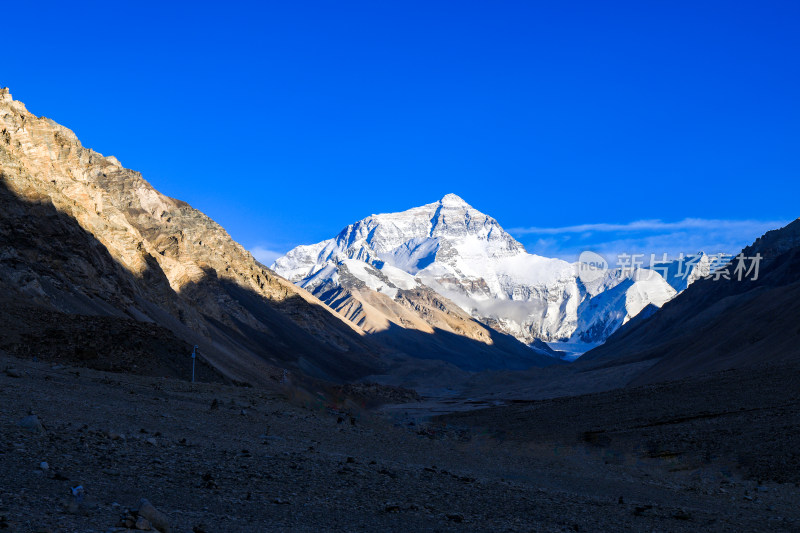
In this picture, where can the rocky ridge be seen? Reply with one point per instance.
(81, 234)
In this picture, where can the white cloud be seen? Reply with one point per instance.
(265, 255)
(655, 225)
(687, 236)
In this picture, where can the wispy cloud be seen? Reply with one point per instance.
(687, 236)
(654, 225)
(265, 255)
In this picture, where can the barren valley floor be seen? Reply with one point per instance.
(717, 454)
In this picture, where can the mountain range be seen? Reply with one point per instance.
(450, 249)
(99, 267)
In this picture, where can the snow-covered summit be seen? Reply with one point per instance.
(451, 199)
(409, 240)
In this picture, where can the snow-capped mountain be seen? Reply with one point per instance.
(466, 257)
(616, 298)
(684, 271)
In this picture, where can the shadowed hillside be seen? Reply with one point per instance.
(82, 235)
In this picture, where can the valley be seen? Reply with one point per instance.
(400, 376)
(216, 457)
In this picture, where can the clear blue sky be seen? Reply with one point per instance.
(285, 121)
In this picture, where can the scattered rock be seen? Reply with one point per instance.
(158, 519)
(113, 435)
(682, 514)
(640, 511)
(44, 466)
(32, 423)
(14, 373)
(389, 473)
(128, 520)
(143, 524)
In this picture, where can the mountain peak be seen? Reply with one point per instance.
(453, 200)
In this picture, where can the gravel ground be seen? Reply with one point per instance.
(218, 458)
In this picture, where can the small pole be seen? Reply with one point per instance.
(194, 358)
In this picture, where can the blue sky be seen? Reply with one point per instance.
(569, 122)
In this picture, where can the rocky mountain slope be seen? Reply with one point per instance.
(468, 259)
(682, 272)
(408, 316)
(82, 236)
